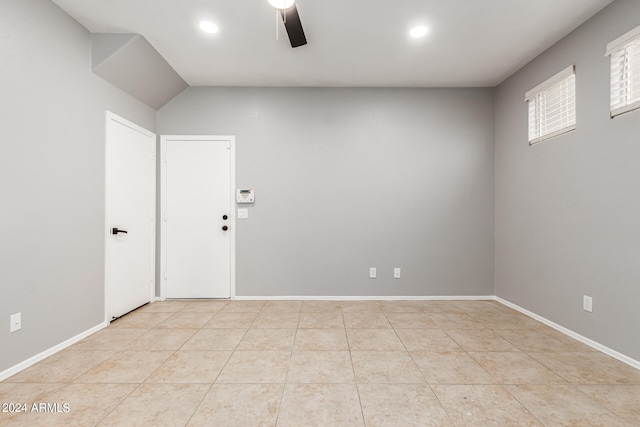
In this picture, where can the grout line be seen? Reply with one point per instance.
(119, 403)
(284, 384)
(353, 369)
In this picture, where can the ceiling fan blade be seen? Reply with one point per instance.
(293, 25)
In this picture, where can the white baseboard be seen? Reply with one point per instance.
(363, 298)
(606, 350)
(41, 356)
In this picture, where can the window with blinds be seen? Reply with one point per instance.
(552, 106)
(625, 72)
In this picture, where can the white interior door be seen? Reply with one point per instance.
(130, 206)
(198, 216)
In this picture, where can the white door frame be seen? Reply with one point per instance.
(107, 255)
(231, 139)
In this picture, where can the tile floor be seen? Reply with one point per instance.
(327, 363)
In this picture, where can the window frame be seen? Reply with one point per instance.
(625, 48)
(538, 112)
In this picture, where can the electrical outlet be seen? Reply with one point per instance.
(396, 273)
(15, 322)
(587, 303)
(372, 273)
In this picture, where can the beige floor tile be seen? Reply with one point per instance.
(481, 307)
(276, 320)
(244, 356)
(321, 320)
(504, 310)
(140, 320)
(321, 306)
(268, 339)
(87, 404)
(374, 339)
(483, 405)
(255, 367)
(190, 367)
(22, 394)
(440, 307)
(163, 339)
(561, 405)
(534, 340)
(385, 367)
(25, 392)
(454, 367)
(19, 398)
(480, 340)
(508, 321)
(231, 320)
(360, 306)
(515, 368)
(321, 339)
(624, 400)
(401, 405)
(320, 367)
(427, 340)
(320, 405)
(158, 405)
(401, 306)
(239, 405)
(206, 306)
(365, 319)
(456, 321)
(168, 306)
(126, 367)
(588, 368)
(282, 307)
(571, 344)
(243, 307)
(185, 320)
(109, 339)
(411, 321)
(62, 367)
(214, 339)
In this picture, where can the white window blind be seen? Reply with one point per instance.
(625, 72)
(552, 106)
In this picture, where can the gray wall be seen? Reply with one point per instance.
(348, 179)
(568, 209)
(52, 113)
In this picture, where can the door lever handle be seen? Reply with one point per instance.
(115, 230)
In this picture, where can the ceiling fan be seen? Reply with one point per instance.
(291, 20)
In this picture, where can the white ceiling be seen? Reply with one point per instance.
(351, 42)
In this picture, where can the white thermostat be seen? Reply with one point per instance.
(245, 195)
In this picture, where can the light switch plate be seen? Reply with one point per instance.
(372, 273)
(243, 213)
(396, 273)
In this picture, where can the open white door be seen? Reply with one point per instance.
(198, 216)
(130, 216)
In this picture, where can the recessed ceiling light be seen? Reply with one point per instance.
(281, 4)
(418, 31)
(208, 27)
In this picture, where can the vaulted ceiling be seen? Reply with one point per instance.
(350, 42)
